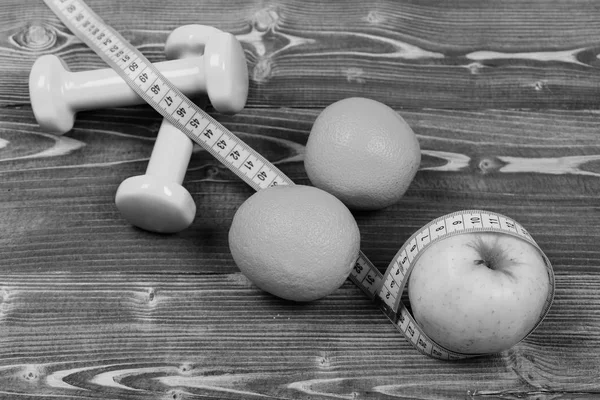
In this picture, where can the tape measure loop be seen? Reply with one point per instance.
(385, 289)
(400, 268)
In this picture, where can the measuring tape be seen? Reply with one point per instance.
(398, 271)
(385, 289)
(164, 97)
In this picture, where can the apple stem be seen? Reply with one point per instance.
(492, 254)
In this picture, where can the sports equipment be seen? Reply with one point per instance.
(156, 201)
(57, 94)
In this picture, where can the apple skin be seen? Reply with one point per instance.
(478, 293)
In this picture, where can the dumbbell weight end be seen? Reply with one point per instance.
(156, 201)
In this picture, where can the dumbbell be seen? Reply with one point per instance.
(156, 201)
(218, 68)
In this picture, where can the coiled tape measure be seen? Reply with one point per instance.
(386, 290)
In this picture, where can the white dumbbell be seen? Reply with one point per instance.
(156, 201)
(57, 94)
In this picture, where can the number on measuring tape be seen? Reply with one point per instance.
(238, 156)
(163, 96)
(396, 276)
(256, 171)
(366, 276)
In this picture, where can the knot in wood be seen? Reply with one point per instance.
(262, 70)
(212, 171)
(265, 19)
(488, 165)
(474, 67)
(32, 372)
(175, 394)
(186, 369)
(540, 85)
(375, 17)
(325, 361)
(354, 74)
(35, 37)
(151, 296)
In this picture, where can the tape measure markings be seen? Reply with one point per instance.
(249, 165)
(385, 289)
(157, 91)
(366, 276)
(399, 269)
(442, 227)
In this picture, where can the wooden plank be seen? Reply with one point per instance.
(91, 307)
(123, 335)
(465, 55)
(57, 193)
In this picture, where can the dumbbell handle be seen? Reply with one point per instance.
(171, 153)
(104, 88)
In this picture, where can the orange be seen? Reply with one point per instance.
(296, 242)
(362, 152)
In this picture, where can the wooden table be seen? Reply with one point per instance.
(503, 96)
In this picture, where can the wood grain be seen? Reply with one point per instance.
(502, 96)
(171, 334)
(541, 168)
(92, 305)
(408, 54)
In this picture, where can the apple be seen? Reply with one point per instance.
(479, 293)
